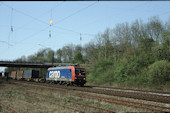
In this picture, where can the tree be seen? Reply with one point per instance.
(138, 32)
(50, 56)
(91, 54)
(78, 58)
(41, 55)
(67, 52)
(166, 38)
(155, 28)
(78, 48)
(59, 55)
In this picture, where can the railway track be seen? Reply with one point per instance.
(121, 93)
(67, 101)
(151, 107)
(55, 100)
(29, 94)
(8, 108)
(130, 89)
(78, 103)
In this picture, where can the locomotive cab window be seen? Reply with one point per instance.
(82, 71)
(77, 71)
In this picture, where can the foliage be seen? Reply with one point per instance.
(99, 72)
(78, 58)
(140, 54)
(159, 72)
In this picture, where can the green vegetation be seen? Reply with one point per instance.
(133, 54)
(91, 102)
(159, 72)
(78, 58)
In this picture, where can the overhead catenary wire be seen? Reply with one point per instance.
(29, 22)
(54, 25)
(13, 9)
(31, 36)
(31, 48)
(70, 16)
(21, 12)
(38, 16)
(76, 12)
(6, 43)
(11, 27)
(37, 19)
(34, 18)
(42, 29)
(100, 19)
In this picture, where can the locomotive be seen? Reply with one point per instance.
(71, 75)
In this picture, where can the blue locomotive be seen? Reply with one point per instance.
(70, 75)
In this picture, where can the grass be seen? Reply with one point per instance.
(97, 104)
(21, 99)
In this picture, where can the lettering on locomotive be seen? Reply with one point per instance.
(54, 74)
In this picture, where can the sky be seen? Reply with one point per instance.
(25, 25)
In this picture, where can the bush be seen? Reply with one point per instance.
(140, 71)
(161, 52)
(119, 72)
(168, 84)
(158, 73)
(100, 73)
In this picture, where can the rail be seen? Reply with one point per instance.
(9, 108)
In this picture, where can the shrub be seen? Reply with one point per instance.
(99, 72)
(158, 73)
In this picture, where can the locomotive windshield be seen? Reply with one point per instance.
(82, 71)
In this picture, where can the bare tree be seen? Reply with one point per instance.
(68, 53)
(155, 28)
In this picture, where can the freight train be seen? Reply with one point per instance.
(29, 75)
(69, 75)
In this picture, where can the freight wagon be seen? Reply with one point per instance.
(70, 75)
(19, 75)
(31, 75)
(14, 74)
